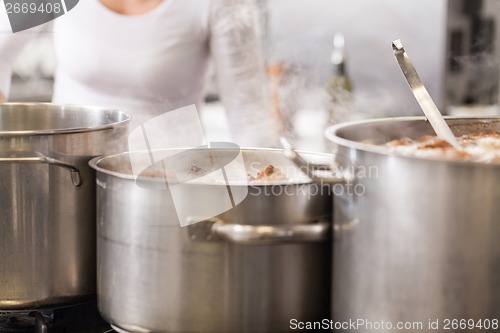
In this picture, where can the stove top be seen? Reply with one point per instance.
(82, 318)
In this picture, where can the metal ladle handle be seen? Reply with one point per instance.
(311, 169)
(422, 95)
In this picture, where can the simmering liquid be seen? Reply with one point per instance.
(479, 147)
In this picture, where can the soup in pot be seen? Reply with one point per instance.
(479, 147)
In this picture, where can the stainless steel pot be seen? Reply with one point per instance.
(47, 200)
(416, 240)
(252, 268)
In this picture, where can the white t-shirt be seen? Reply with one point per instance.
(155, 62)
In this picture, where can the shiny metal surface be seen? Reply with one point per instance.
(419, 242)
(155, 276)
(292, 154)
(313, 170)
(76, 179)
(422, 95)
(269, 234)
(47, 225)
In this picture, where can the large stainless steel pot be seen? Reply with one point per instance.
(417, 240)
(47, 200)
(251, 269)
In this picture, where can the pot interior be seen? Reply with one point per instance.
(380, 131)
(141, 164)
(46, 118)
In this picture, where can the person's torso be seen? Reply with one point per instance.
(127, 61)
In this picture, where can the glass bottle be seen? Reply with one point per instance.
(340, 98)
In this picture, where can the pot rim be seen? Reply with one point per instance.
(69, 130)
(94, 164)
(331, 134)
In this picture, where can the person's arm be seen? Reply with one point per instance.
(11, 45)
(243, 86)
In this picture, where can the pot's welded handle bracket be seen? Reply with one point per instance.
(216, 229)
(76, 179)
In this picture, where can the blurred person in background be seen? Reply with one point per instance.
(147, 57)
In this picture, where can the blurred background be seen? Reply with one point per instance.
(315, 82)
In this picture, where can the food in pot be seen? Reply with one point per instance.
(480, 147)
(269, 173)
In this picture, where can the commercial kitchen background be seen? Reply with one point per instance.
(298, 34)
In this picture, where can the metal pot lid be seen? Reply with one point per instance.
(26, 119)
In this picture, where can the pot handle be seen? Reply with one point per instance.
(76, 179)
(271, 234)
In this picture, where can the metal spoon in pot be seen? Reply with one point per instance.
(319, 173)
(422, 95)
